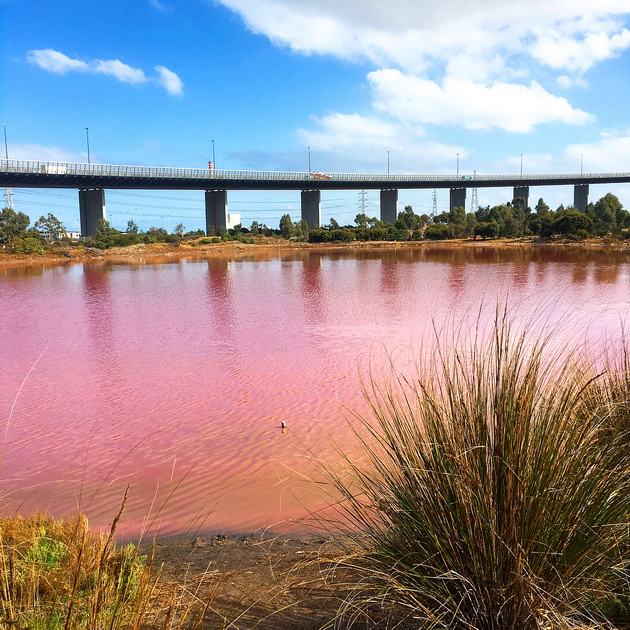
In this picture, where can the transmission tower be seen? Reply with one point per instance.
(362, 201)
(474, 203)
(434, 210)
(8, 198)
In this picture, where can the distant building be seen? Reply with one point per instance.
(232, 220)
(73, 236)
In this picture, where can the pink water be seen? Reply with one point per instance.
(174, 378)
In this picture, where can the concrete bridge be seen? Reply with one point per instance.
(92, 180)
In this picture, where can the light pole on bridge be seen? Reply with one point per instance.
(309, 159)
(87, 139)
(388, 162)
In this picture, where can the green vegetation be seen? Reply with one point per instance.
(605, 218)
(496, 492)
(56, 574)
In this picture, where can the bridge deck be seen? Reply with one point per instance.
(35, 174)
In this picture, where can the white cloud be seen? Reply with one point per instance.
(416, 35)
(54, 61)
(343, 131)
(119, 70)
(170, 81)
(43, 153)
(511, 107)
(58, 63)
(610, 154)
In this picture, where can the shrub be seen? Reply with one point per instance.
(27, 245)
(436, 232)
(496, 495)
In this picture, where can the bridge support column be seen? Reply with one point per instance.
(311, 208)
(216, 210)
(458, 198)
(91, 209)
(389, 205)
(580, 197)
(521, 192)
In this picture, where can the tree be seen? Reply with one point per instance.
(301, 230)
(132, 227)
(571, 221)
(333, 225)
(489, 229)
(255, 227)
(179, 229)
(12, 224)
(287, 227)
(51, 228)
(605, 213)
(361, 220)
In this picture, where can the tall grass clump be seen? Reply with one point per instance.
(495, 496)
(57, 574)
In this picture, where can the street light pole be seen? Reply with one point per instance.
(458, 163)
(87, 139)
(521, 163)
(388, 162)
(309, 159)
(581, 164)
(214, 164)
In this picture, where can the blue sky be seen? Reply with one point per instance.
(542, 83)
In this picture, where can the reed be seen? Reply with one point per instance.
(496, 491)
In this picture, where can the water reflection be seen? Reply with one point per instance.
(179, 374)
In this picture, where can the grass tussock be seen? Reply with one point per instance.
(496, 494)
(56, 574)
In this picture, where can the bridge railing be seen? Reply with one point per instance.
(113, 170)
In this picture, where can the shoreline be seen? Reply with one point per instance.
(151, 252)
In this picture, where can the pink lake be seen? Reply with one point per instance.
(174, 377)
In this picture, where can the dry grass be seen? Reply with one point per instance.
(496, 495)
(57, 574)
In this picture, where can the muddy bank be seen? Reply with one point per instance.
(165, 252)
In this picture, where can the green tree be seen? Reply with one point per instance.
(301, 230)
(488, 229)
(411, 219)
(361, 220)
(605, 214)
(571, 221)
(12, 224)
(132, 227)
(255, 227)
(333, 225)
(287, 227)
(51, 228)
(27, 244)
(179, 229)
(436, 232)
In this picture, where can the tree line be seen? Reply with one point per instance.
(604, 218)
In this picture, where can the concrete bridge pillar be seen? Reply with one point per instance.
(522, 192)
(580, 197)
(312, 208)
(389, 205)
(458, 198)
(91, 209)
(216, 210)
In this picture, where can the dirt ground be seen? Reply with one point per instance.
(264, 583)
(162, 252)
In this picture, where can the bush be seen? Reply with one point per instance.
(27, 245)
(496, 495)
(436, 232)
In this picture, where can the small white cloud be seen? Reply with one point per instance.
(54, 61)
(343, 131)
(170, 81)
(58, 63)
(569, 82)
(119, 70)
(44, 153)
